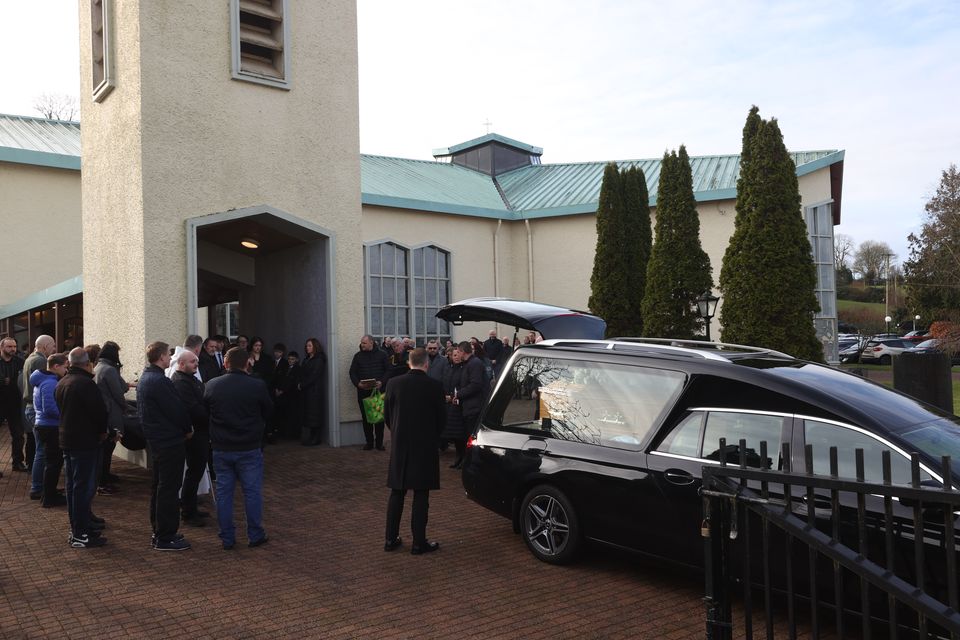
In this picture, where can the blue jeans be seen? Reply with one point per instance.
(81, 483)
(246, 466)
(40, 456)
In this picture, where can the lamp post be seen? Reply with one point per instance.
(887, 320)
(707, 307)
(915, 318)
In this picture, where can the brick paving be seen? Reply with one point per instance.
(324, 573)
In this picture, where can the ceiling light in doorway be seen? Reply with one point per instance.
(249, 243)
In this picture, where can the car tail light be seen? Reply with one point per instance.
(471, 441)
(878, 348)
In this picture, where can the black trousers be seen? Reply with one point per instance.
(54, 463)
(164, 499)
(369, 430)
(197, 451)
(106, 459)
(418, 519)
(11, 410)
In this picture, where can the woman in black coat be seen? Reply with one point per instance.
(455, 430)
(313, 393)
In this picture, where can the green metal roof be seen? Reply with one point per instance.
(490, 137)
(429, 185)
(38, 141)
(559, 189)
(528, 192)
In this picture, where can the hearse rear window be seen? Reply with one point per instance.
(595, 403)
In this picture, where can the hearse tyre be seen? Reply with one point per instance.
(549, 525)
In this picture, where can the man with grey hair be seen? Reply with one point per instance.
(190, 390)
(83, 426)
(36, 361)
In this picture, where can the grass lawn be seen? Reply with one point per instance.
(851, 305)
(884, 376)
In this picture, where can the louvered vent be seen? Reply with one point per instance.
(261, 37)
(100, 48)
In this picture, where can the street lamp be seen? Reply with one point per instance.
(707, 308)
(915, 318)
(887, 320)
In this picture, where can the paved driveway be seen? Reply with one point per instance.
(324, 573)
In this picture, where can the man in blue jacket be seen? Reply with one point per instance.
(239, 406)
(44, 382)
(166, 427)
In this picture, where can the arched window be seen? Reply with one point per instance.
(391, 271)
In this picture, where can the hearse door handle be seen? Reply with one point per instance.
(678, 477)
(534, 446)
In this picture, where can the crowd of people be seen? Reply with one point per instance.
(207, 406)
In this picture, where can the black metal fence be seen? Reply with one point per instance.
(838, 556)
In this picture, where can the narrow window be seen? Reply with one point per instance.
(431, 280)
(259, 39)
(100, 48)
(387, 282)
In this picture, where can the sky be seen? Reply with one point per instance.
(629, 79)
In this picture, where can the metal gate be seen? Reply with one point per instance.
(835, 556)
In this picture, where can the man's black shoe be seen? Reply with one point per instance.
(36, 495)
(57, 501)
(19, 466)
(390, 545)
(259, 543)
(380, 447)
(426, 547)
(97, 526)
(368, 446)
(97, 519)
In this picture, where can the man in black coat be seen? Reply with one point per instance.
(239, 406)
(415, 413)
(369, 364)
(473, 389)
(190, 391)
(11, 368)
(83, 426)
(208, 365)
(166, 427)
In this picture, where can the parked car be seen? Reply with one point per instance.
(593, 440)
(850, 353)
(917, 336)
(934, 344)
(882, 350)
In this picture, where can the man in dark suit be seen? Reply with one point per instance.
(208, 365)
(414, 411)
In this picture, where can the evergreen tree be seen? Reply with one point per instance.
(638, 235)
(933, 269)
(608, 281)
(679, 269)
(768, 276)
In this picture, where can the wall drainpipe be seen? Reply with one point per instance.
(529, 259)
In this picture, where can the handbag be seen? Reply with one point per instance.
(373, 407)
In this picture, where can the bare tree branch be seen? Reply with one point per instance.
(57, 106)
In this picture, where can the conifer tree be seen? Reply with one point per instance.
(636, 210)
(607, 282)
(768, 276)
(679, 269)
